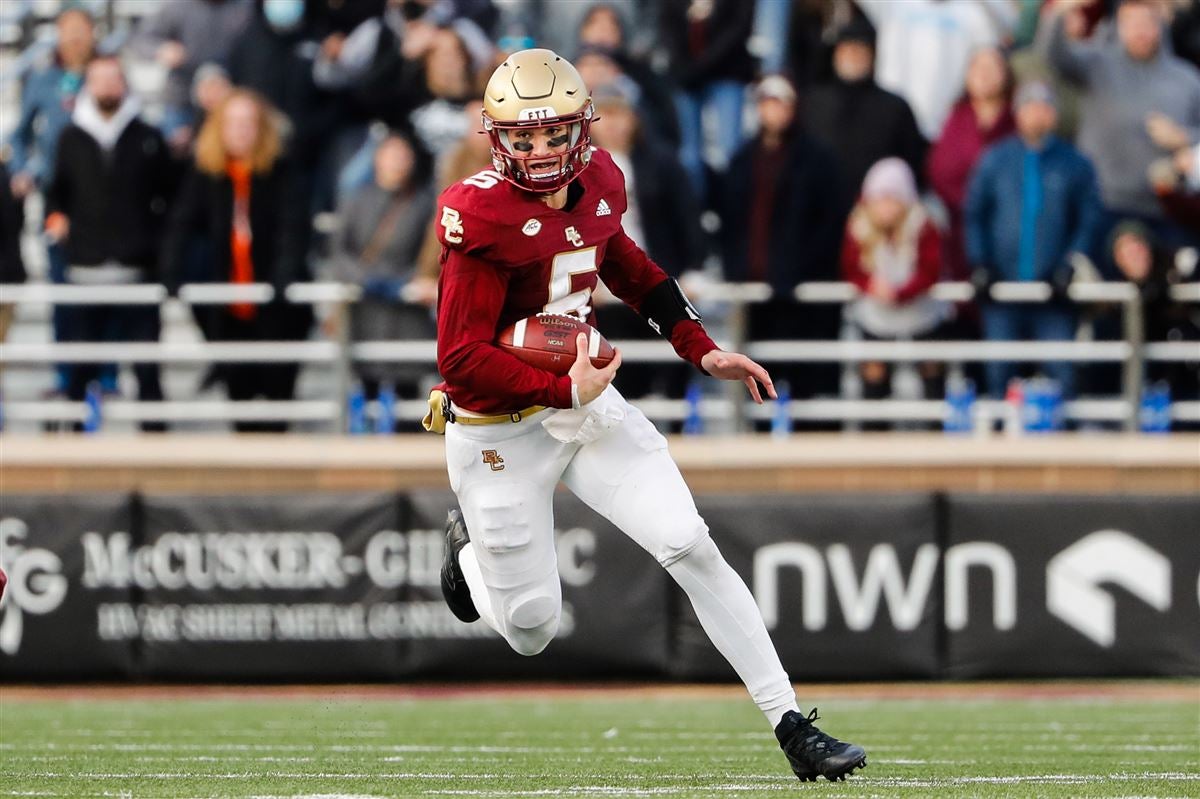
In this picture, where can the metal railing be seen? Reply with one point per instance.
(339, 353)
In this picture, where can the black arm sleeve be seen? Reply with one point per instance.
(665, 305)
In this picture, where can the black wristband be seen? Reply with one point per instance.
(665, 305)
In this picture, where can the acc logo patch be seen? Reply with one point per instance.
(532, 227)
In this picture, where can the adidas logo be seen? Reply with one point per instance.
(602, 208)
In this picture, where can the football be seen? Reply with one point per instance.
(547, 341)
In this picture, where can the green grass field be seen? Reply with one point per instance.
(596, 744)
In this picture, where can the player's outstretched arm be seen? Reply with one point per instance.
(735, 366)
(589, 381)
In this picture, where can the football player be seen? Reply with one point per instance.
(533, 235)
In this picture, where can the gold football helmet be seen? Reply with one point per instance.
(537, 89)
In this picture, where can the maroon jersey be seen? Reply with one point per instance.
(507, 255)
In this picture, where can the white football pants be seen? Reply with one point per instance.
(504, 476)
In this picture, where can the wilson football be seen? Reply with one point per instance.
(547, 341)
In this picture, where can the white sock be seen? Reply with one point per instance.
(729, 615)
(479, 592)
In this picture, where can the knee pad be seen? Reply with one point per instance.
(532, 621)
(702, 558)
(670, 536)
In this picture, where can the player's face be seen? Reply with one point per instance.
(542, 146)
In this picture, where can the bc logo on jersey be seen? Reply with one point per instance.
(493, 459)
(452, 222)
(574, 237)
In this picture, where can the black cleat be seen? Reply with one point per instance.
(812, 753)
(454, 586)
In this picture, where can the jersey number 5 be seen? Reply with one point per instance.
(565, 266)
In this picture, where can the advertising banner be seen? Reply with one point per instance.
(1072, 585)
(265, 586)
(52, 623)
(849, 586)
(345, 586)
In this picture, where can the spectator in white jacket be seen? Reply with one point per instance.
(924, 47)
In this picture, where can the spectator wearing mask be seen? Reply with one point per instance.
(710, 65)
(925, 46)
(1140, 101)
(778, 227)
(892, 252)
(382, 227)
(47, 100)
(181, 35)
(660, 219)
(980, 119)
(238, 200)
(107, 202)
(1032, 205)
(858, 120)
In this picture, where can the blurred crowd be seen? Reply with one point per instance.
(893, 144)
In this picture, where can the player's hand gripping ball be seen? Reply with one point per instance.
(547, 341)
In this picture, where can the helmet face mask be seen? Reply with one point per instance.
(514, 158)
(537, 90)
